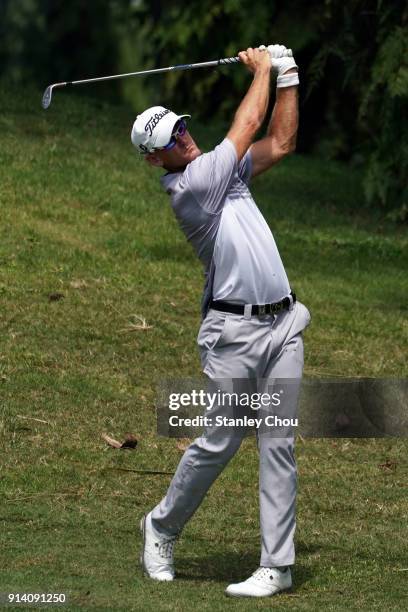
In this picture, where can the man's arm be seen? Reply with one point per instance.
(281, 134)
(252, 110)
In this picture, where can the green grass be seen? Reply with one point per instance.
(83, 216)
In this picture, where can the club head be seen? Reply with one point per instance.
(46, 100)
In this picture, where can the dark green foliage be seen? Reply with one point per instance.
(362, 63)
(352, 58)
(45, 41)
(385, 103)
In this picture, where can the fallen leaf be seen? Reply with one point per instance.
(111, 441)
(183, 443)
(78, 284)
(20, 416)
(129, 441)
(388, 465)
(54, 297)
(138, 324)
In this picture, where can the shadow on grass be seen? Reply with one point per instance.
(233, 566)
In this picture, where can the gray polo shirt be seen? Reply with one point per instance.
(216, 212)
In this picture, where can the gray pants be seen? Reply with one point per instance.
(233, 347)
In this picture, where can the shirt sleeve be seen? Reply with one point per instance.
(210, 175)
(245, 167)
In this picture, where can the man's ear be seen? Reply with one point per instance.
(153, 160)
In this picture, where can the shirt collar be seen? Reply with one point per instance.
(169, 181)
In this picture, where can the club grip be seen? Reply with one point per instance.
(234, 60)
(228, 60)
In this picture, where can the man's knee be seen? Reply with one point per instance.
(279, 448)
(222, 448)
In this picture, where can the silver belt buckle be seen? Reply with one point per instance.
(247, 311)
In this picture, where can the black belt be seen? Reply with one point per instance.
(256, 309)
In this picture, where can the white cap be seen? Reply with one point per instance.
(153, 128)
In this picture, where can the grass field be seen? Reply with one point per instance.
(99, 298)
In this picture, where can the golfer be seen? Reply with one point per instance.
(252, 323)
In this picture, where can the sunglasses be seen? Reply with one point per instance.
(179, 130)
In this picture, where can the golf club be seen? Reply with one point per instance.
(46, 100)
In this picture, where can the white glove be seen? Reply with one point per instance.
(282, 60)
(276, 51)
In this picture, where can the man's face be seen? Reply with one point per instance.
(176, 158)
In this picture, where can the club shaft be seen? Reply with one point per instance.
(46, 101)
(220, 62)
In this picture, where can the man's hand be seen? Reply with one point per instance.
(277, 51)
(255, 59)
(283, 64)
(280, 62)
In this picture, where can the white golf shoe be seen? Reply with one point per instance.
(264, 582)
(156, 557)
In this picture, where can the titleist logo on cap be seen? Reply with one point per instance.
(153, 121)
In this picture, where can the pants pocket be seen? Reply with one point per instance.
(305, 314)
(213, 330)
